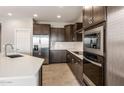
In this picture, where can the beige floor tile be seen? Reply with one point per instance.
(58, 75)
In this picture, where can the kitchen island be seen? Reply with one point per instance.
(20, 71)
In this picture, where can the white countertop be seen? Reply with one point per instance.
(79, 56)
(25, 66)
(71, 51)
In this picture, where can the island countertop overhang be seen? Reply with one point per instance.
(25, 66)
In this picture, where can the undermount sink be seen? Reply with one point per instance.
(78, 52)
(14, 56)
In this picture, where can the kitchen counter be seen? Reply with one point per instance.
(79, 56)
(72, 51)
(16, 69)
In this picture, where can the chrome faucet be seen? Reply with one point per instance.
(6, 48)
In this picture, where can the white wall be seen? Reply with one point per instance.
(10, 25)
(115, 46)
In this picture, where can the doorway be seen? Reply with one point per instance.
(23, 41)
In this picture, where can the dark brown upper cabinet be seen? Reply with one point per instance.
(72, 32)
(41, 29)
(57, 35)
(77, 35)
(87, 16)
(69, 33)
(36, 29)
(78, 26)
(93, 15)
(99, 14)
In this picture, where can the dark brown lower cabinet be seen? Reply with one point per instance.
(57, 56)
(76, 66)
(40, 77)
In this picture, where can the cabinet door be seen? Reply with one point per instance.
(36, 29)
(80, 71)
(53, 34)
(41, 29)
(78, 26)
(99, 14)
(57, 56)
(87, 21)
(45, 29)
(73, 66)
(69, 59)
(61, 35)
(79, 36)
(68, 32)
(57, 34)
(54, 56)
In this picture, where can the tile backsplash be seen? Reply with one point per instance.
(73, 46)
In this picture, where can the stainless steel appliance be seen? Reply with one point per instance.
(93, 40)
(93, 62)
(41, 47)
(93, 68)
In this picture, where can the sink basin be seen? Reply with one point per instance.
(14, 56)
(78, 52)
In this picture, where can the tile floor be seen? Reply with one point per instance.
(58, 75)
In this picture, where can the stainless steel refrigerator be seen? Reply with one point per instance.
(41, 47)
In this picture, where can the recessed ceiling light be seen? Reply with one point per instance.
(35, 15)
(9, 14)
(58, 16)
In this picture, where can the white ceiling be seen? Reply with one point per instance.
(45, 13)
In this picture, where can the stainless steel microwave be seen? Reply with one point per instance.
(94, 40)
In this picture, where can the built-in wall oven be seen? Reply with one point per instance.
(93, 68)
(93, 62)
